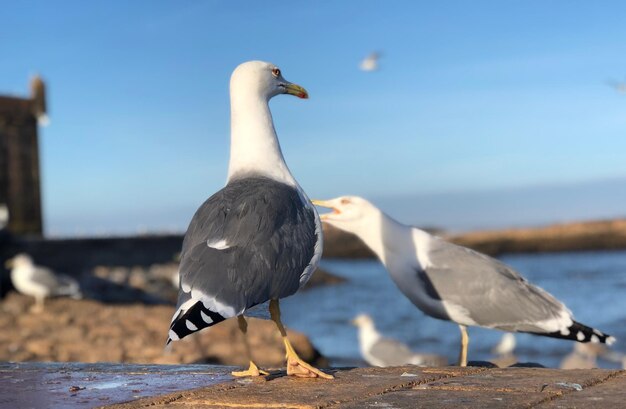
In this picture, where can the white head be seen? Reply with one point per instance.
(506, 345)
(18, 261)
(350, 213)
(362, 321)
(254, 145)
(262, 79)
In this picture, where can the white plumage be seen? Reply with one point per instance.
(4, 216)
(454, 283)
(370, 63)
(40, 282)
(377, 350)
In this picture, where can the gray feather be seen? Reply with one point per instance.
(57, 284)
(391, 352)
(493, 294)
(270, 237)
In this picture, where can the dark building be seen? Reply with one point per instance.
(19, 160)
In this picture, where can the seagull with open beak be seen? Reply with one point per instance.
(454, 283)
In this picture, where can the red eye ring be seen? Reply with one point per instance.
(276, 72)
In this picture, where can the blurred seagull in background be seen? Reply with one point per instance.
(4, 216)
(504, 351)
(259, 238)
(454, 283)
(619, 86)
(506, 346)
(380, 351)
(585, 356)
(370, 63)
(40, 282)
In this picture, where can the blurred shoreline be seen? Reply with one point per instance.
(163, 248)
(563, 237)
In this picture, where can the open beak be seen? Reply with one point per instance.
(328, 204)
(297, 90)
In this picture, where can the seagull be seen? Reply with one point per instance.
(259, 238)
(504, 351)
(4, 216)
(380, 351)
(506, 346)
(370, 63)
(40, 282)
(584, 356)
(454, 283)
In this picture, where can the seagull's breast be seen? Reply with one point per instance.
(23, 281)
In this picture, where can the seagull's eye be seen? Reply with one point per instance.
(345, 201)
(276, 72)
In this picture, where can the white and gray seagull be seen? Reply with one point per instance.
(382, 351)
(257, 239)
(40, 282)
(4, 216)
(454, 283)
(370, 63)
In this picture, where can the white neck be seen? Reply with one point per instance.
(384, 235)
(368, 336)
(254, 147)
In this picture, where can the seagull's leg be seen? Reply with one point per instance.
(295, 365)
(38, 306)
(464, 343)
(253, 370)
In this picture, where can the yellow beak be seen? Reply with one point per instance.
(325, 203)
(322, 203)
(9, 263)
(297, 90)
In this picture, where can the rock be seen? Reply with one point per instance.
(339, 244)
(322, 278)
(481, 364)
(39, 347)
(90, 331)
(527, 365)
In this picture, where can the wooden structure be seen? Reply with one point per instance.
(19, 159)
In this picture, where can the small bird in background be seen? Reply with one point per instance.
(370, 63)
(38, 98)
(175, 279)
(377, 350)
(454, 283)
(619, 86)
(585, 356)
(40, 282)
(4, 216)
(504, 351)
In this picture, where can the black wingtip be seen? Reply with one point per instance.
(581, 333)
(194, 319)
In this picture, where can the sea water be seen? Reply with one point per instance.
(591, 284)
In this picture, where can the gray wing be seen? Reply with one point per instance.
(490, 293)
(57, 285)
(248, 243)
(45, 278)
(391, 352)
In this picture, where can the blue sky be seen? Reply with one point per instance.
(471, 97)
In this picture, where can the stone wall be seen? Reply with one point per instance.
(19, 160)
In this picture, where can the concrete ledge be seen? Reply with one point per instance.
(211, 387)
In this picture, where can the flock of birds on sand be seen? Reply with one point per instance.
(259, 240)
